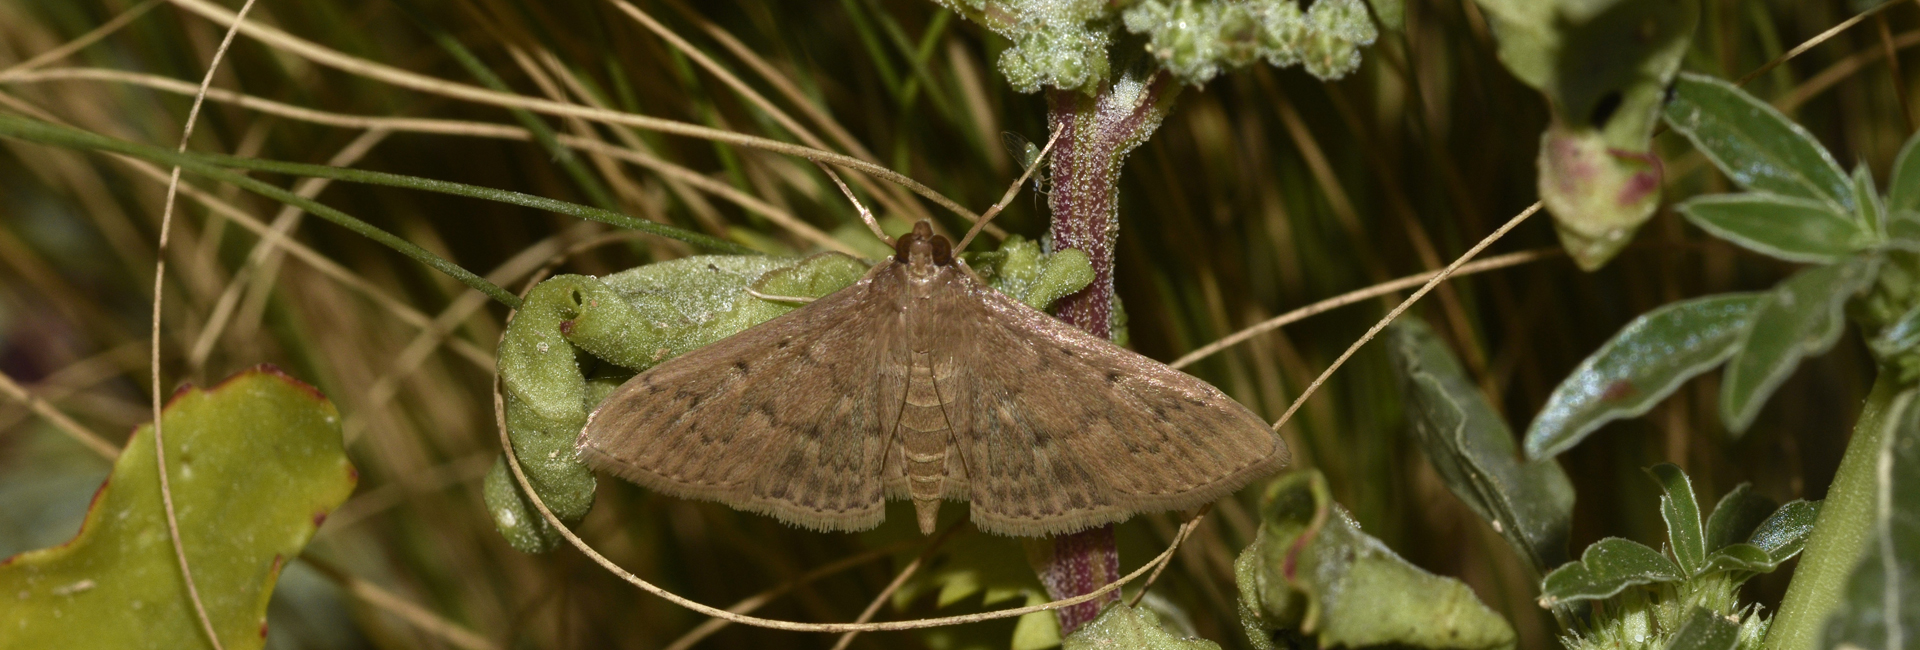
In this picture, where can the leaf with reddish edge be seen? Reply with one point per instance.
(1312, 572)
(255, 464)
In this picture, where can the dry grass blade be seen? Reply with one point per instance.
(1402, 307)
(1816, 40)
(420, 617)
(395, 76)
(159, 291)
(747, 605)
(1358, 295)
(81, 43)
(60, 421)
(899, 580)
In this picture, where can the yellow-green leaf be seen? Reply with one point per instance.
(255, 465)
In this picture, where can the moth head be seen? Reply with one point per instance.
(923, 249)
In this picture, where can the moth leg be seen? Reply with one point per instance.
(773, 298)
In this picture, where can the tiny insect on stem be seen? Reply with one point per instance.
(1008, 197)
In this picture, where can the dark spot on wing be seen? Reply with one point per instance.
(1113, 377)
(783, 343)
(741, 366)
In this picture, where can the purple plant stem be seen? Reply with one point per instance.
(1096, 133)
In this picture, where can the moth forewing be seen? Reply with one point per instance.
(921, 382)
(769, 420)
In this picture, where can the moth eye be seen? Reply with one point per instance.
(942, 251)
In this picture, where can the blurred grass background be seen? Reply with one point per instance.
(1265, 191)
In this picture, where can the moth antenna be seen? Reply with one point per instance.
(777, 298)
(872, 224)
(1012, 191)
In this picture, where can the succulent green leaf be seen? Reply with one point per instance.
(1529, 502)
(1311, 570)
(1606, 568)
(1803, 315)
(1198, 40)
(1021, 270)
(1120, 626)
(1054, 44)
(1880, 606)
(255, 464)
(1736, 517)
(1903, 185)
(1755, 145)
(1705, 630)
(1784, 533)
(1682, 513)
(1640, 366)
(513, 514)
(1788, 228)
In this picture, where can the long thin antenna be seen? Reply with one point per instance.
(1008, 198)
(872, 224)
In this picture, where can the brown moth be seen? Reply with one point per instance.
(921, 382)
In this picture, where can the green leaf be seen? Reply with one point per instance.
(1705, 630)
(1604, 68)
(1793, 229)
(1802, 316)
(1469, 444)
(1880, 606)
(1121, 626)
(1753, 144)
(1682, 514)
(1640, 366)
(1903, 185)
(1739, 557)
(1736, 516)
(1606, 568)
(1903, 224)
(255, 464)
(1311, 570)
(1783, 534)
(1871, 211)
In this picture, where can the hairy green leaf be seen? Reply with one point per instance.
(1682, 513)
(1640, 366)
(1608, 567)
(255, 464)
(1871, 210)
(1788, 228)
(1755, 145)
(1739, 557)
(1736, 516)
(1903, 185)
(1803, 315)
(1784, 533)
(1529, 502)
